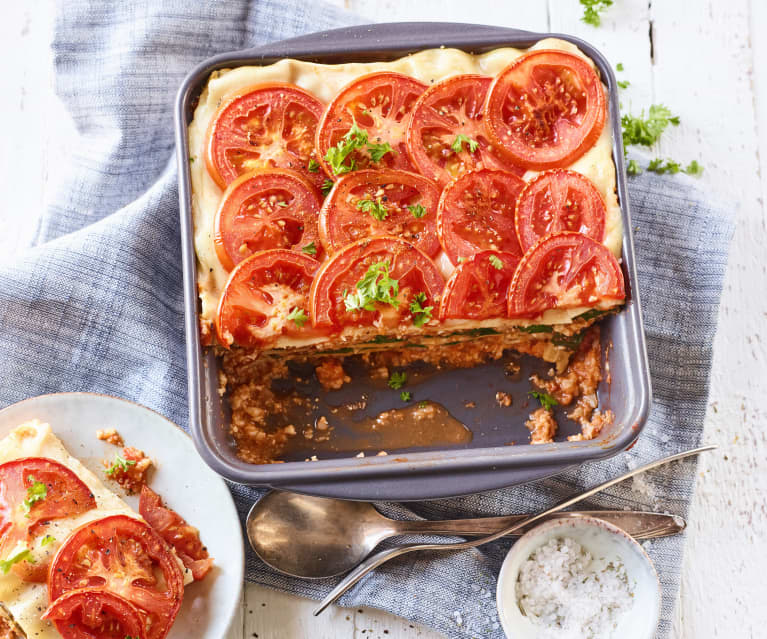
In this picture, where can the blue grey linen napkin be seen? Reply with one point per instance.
(96, 304)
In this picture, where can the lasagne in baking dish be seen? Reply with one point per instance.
(76, 560)
(454, 204)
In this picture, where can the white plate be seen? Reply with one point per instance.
(181, 478)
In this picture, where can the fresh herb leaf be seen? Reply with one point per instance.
(355, 138)
(397, 380)
(457, 144)
(546, 400)
(374, 207)
(624, 84)
(633, 168)
(36, 492)
(646, 131)
(22, 555)
(375, 286)
(406, 396)
(283, 204)
(461, 260)
(421, 314)
(327, 185)
(298, 316)
(314, 166)
(619, 66)
(377, 151)
(423, 404)
(309, 249)
(592, 10)
(496, 262)
(693, 168)
(120, 463)
(417, 210)
(47, 540)
(663, 166)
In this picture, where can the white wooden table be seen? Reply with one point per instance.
(707, 60)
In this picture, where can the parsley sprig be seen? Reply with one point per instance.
(546, 400)
(374, 207)
(327, 186)
(661, 166)
(120, 463)
(298, 316)
(406, 396)
(375, 286)
(36, 492)
(496, 262)
(354, 138)
(397, 380)
(22, 555)
(592, 10)
(421, 314)
(309, 249)
(417, 210)
(645, 131)
(377, 151)
(459, 141)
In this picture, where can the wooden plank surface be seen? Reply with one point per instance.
(707, 60)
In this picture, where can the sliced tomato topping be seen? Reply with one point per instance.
(447, 136)
(386, 202)
(95, 613)
(172, 527)
(559, 200)
(479, 288)
(265, 126)
(33, 492)
(546, 109)
(266, 209)
(124, 556)
(381, 104)
(476, 213)
(565, 270)
(381, 281)
(267, 295)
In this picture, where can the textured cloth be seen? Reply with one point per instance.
(96, 304)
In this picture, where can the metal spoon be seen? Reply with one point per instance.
(315, 537)
(381, 557)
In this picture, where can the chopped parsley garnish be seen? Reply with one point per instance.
(423, 404)
(375, 286)
(283, 204)
(355, 138)
(624, 84)
(120, 463)
(406, 396)
(646, 131)
(619, 66)
(421, 314)
(633, 168)
(496, 262)
(461, 260)
(298, 316)
(309, 249)
(22, 555)
(693, 168)
(47, 540)
(663, 166)
(314, 166)
(417, 210)
(457, 144)
(669, 166)
(397, 380)
(377, 151)
(546, 400)
(592, 10)
(374, 207)
(36, 492)
(327, 185)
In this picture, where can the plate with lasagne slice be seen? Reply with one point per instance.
(106, 526)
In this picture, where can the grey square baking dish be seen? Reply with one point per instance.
(488, 462)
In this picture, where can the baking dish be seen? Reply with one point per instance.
(488, 461)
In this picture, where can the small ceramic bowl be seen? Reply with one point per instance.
(600, 539)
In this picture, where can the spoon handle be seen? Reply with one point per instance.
(372, 562)
(640, 525)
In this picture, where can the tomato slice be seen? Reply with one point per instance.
(95, 613)
(415, 274)
(343, 218)
(559, 200)
(564, 270)
(261, 294)
(380, 103)
(266, 209)
(478, 289)
(173, 528)
(546, 109)
(476, 213)
(263, 126)
(125, 556)
(448, 116)
(51, 490)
